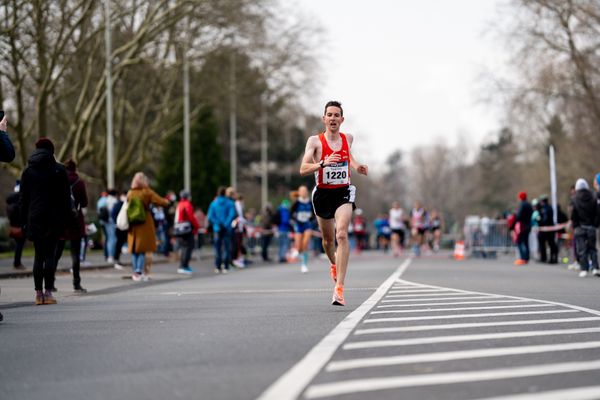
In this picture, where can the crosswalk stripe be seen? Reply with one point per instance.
(457, 355)
(418, 291)
(453, 303)
(394, 382)
(584, 309)
(459, 316)
(580, 393)
(473, 325)
(466, 338)
(460, 309)
(442, 298)
(424, 295)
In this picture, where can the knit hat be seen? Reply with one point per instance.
(44, 143)
(581, 184)
(522, 196)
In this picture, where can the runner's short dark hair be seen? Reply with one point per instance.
(334, 103)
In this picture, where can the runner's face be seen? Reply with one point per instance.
(333, 118)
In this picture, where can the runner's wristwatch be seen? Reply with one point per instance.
(322, 163)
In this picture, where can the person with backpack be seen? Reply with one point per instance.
(141, 237)
(186, 228)
(75, 229)
(45, 207)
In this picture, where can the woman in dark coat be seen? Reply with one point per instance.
(75, 229)
(45, 207)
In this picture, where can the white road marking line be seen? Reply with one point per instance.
(394, 382)
(584, 309)
(473, 325)
(466, 338)
(425, 295)
(459, 309)
(580, 393)
(457, 355)
(458, 316)
(444, 298)
(418, 291)
(453, 303)
(293, 382)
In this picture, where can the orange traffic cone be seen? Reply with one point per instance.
(459, 250)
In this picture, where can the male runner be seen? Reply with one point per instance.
(328, 156)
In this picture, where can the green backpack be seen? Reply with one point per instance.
(136, 212)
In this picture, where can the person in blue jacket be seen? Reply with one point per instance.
(221, 214)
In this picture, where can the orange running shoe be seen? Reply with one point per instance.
(338, 296)
(520, 262)
(333, 272)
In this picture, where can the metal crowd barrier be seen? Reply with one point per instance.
(485, 237)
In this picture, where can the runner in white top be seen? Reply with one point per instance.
(398, 228)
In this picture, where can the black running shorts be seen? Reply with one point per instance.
(327, 201)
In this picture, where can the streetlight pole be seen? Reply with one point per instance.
(263, 154)
(187, 180)
(233, 121)
(110, 173)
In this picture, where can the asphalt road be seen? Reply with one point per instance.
(436, 329)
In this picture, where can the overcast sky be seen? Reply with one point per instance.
(407, 72)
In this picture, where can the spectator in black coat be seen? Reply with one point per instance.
(523, 228)
(45, 208)
(547, 237)
(75, 229)
(585, 216)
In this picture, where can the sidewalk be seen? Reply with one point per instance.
(94, 260)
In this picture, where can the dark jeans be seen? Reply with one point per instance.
(222, 248)
(20, 243)
(523, 245)
(548, 238)
(186, 245)
(585, 238)
(265, 242)
(75, 263)
(43, 263)
(121, 240)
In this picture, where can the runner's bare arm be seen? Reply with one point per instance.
(309, 160)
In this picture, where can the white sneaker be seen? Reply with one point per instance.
(145, 278)
(239, 263)
(583, 274)
(596, 272)
(225, 271)
(119, 267)
(304, 269)
(136, 277)
(217, 271)
(110, 260)
(185, 271)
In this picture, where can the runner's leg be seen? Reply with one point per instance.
(342, 218)
(328, 232)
